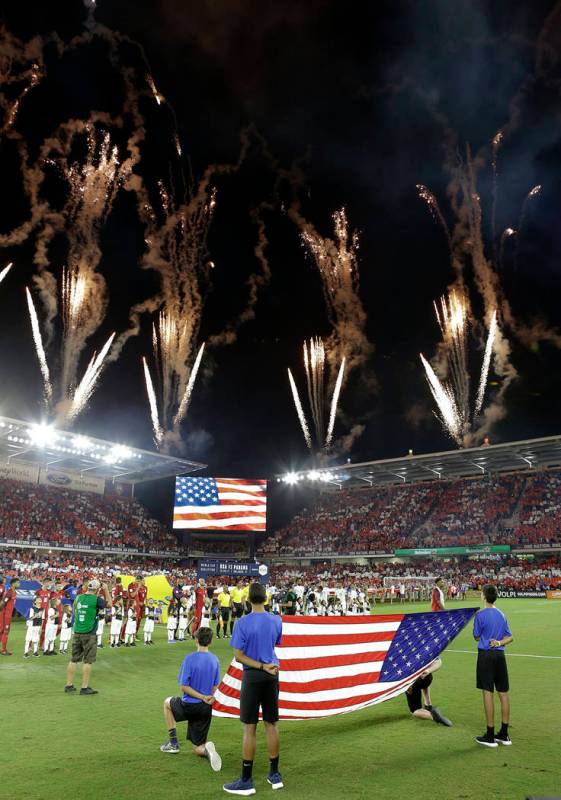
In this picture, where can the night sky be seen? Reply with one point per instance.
(364, 97)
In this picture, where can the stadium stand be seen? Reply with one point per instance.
(59, 517)
(521, 509)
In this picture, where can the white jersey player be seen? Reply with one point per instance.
(149, 620)
(50, 629)
(65, 628)
(117, 613)
(35, 618)
(100, 627)
(130, 630)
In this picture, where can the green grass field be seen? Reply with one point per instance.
(107, 746)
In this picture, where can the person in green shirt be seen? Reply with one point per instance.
(84, 643)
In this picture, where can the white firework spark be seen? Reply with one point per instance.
(38, 340)
(486, 362)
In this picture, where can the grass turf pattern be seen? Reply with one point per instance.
(56, 745)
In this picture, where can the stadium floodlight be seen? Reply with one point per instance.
(42, 435)
(291, 478)
(118, 453)
(82, 443)
(313, 475)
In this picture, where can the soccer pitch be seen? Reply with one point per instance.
(56, 745)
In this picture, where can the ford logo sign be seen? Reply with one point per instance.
(59, 479)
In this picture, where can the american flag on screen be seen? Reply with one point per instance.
(334, 665)
(225, 504)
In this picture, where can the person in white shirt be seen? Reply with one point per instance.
(34, 623)
(50, 629)
(149, 620)
(183, 620)
(172, 621)
(65, 628)
(117, 613)
(100, 626)
(130, 630)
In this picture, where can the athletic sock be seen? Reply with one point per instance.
(273, 765)
(247, 770)
(504, 730)
(491, 732)
(173, 736)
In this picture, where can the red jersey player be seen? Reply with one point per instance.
(141, 594)
(7, 603)
(45, 595)
(200, 595)
(437, 598)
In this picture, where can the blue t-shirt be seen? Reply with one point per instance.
(200, 671)
(256, 636)
(490, 623)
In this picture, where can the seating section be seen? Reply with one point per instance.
(510, 509)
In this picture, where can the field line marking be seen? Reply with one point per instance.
(510, 655)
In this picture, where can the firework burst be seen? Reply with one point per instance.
(315, 369)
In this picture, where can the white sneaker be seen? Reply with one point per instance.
(213, 757)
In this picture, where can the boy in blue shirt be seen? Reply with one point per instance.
(491, 631)
(199, 677)
(254, 639)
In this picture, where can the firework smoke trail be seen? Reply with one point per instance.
(445, 403)
(177, 250)
(48, 389)
(334, 404)
(158, 433)
(506, 234)
(486, 363)
(5, 271)
(337, 262)
(453, 321)
(432, 203)
(87, 385)
(521, 222)
(300, 411)
(184, 405)
(495, 146)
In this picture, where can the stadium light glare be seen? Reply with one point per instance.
(120, 452)
(291, 478)
(81, 442)
(313, 475)
(42, 435)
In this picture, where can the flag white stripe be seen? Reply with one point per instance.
(323, 651)
(217, 509)
(319, 696)
(295, 629)
(324, 673)
(242, 487)
(240, 496)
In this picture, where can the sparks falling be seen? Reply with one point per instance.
(87, 385)
(5, 271)
(153, 403)
(38, 340)
(315, 369)
(452, 394)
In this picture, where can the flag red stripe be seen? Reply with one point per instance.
(325, 684)
(242, 481)
(253, 526)
(309, 640)
(330, 705)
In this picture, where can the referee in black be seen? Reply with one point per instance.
(254, 639)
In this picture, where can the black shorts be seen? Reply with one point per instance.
(238, 610)
(414, 695)
(492, 672)
(225, 614)
(198, 717)
(259, 690)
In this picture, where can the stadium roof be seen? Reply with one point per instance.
(45, 446)
(463, 463)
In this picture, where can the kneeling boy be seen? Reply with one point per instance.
(199, 677)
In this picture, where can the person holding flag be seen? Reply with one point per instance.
(254, 640)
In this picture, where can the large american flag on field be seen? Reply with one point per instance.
(334, 665)
(220, 504)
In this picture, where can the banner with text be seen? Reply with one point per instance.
(19, 471)
(71, 480)
(535, 593)
(207, 568)
(476, 549)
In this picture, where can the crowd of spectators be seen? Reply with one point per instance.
(60, 517)
(509, 509)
